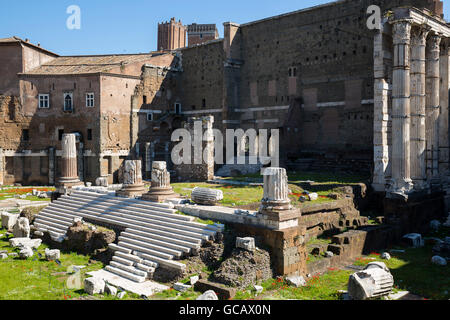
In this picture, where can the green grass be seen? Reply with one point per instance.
(414, 272)
(324, 287)
(235, 195)
(38, 279)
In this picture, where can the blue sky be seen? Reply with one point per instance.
(111, 26)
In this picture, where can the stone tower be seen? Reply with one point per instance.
(171, 35)
(201, 33)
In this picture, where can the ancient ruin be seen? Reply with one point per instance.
(127, 149)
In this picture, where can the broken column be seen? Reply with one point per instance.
(401, 183)
(132, 180)
(276, 205)
(418, 113)
(432, 107)
(160, 189)
(69, 172)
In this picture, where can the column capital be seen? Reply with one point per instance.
(401, 31)
(434, 41)
(419, 35)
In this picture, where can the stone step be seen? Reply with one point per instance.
(97, 206)
(52, 222)
(149, 263)
(56, 236)
(125, 274)
(124, 222)
(162, 235)
(119, 249)
(48, 214)
(45, 228)
(133, 246)
(130, 257)
(162, 262)
(123, 261)
(129, 269)
(118, 203)
(163, 207)
(143, 267)
(145, 244)
(167, 244)
(131, 217)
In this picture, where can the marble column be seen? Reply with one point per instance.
(133, 185)
(276, 190)
(401, 181)
(2, 166)
(69, 172)
(418, 102)
(51, 166)
(432, 107)
(444, 61)
(160, 189)
(380, 116)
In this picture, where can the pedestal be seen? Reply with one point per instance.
(160, 189)
(132, 180)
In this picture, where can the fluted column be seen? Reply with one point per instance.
(132, 179)
(160, 189)
(1, 167)
(418, 102)
(401, 182)
(69, 170)
(276, 189)
(444, 103)
(432, 106)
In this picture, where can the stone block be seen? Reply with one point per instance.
(9, 220)
(94, 285)
(109, 289)
(52, 255)
(208, 295)
(26, 253)
(22, 228)
(181, 287)
(372, 282)
(247, 243)
(439, 261)
(25, 242)
(296, 281)
(222, 292)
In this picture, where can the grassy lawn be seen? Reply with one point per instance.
(235, 195)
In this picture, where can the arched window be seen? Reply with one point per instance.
(68, 105)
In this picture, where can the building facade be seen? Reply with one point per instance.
(201, 33)
(171, 35)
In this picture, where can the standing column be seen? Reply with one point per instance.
(381, 117)
(1, 167)
(432, 107)
(51, 166)
(69, 172)
(276, 190)
(443, 115)
(418, 102)
(401, 181)
(160, 189)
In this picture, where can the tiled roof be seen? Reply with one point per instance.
(15, 39)
(87, 64)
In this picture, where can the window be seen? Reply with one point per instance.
(144, 100)
(150, 116)
(25, 135)
(60, 134)
(177, 108)
(68, 104)
(203, 103)
(89, 134)
(89, 100)
(44, 101)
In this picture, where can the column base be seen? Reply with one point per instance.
(280, 215)
(68, 182)
(131, 191)
(160, 194)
